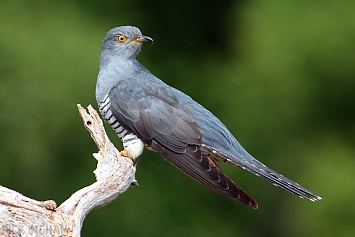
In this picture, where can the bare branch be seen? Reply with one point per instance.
(22, 216)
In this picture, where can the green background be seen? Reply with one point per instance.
(279, 74)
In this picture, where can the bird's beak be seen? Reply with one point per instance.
(141, 39)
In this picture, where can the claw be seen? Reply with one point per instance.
(124, 153)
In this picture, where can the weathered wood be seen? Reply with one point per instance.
(23, 216)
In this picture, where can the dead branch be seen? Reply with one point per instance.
(22, 216)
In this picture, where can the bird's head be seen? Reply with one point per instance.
(124, 41)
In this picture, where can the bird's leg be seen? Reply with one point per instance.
(124, 153)
(132, 147)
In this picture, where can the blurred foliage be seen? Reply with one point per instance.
(280, 75)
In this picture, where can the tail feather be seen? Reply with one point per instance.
(259, 169)
(281, 181)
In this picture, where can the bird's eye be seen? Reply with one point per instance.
(121, 38)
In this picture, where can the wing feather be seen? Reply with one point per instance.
(169, 127)
(206, 171)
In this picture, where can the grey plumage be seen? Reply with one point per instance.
(144, 111)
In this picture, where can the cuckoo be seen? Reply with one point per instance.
(146, 112)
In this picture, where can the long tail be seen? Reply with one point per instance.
(259, 169)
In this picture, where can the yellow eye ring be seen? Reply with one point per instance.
(121, 38)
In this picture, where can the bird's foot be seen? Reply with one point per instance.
(124, 153)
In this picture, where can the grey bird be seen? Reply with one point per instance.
(146, 112)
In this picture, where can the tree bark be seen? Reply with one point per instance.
(23, 216)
